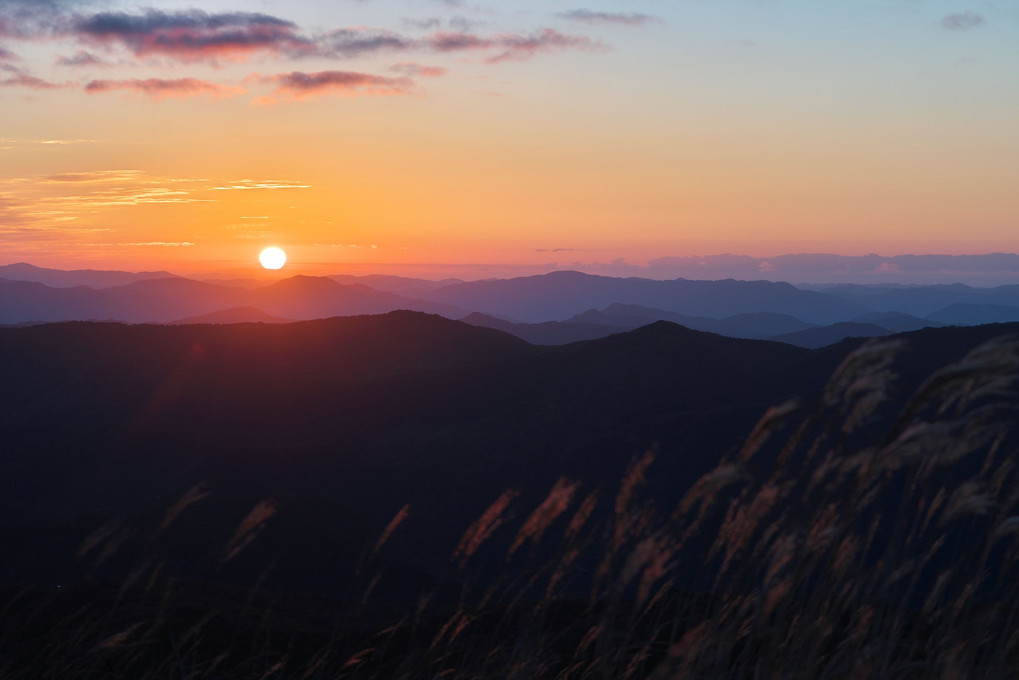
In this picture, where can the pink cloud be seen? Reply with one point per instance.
(193, 34)
(31, 82)
(414, 70)
(298, 85)
(513, 46)
(160, 88)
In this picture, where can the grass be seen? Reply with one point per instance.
(847, 538)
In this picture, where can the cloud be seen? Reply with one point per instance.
(617, 18)
(414, 70)
(513, 46)
(81, 58)
(157, 244)
(248, 184)
(162, 88)
(423, 24)
(7, 55)
(31, 82)
(95, 176)
(354, 42)
(123, 196)
(963, 21)
(192, 35)
(34, 18)
(298, 85)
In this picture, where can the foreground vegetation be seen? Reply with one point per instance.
(847, 538)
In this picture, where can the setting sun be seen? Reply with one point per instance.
(272, 258)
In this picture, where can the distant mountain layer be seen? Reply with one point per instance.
(234, 315)
(556, 308)
(58, 278)
(169, 299)
(560, 295)
(828, 335)
(923, 301)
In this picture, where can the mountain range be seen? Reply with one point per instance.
(347, 419)
(551, 309)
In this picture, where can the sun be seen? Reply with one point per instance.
(272, 258)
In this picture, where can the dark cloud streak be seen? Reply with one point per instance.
(963, 21)
(617, 18)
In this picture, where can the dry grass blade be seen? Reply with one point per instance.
(771, 418)
(249, 528)
(478, 532)
(555, 504)
(191, 496)
(391, 527)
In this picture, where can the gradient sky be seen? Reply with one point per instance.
(361, 134)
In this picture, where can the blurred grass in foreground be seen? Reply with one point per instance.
(841, 541)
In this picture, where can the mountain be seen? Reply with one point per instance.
(829, 335)
(234, 315)
(25, 301)
(923, 301)
(58, 278)
(635, 316)
(546, 333)
(560, 295)
(395, 284)
(964, 314)
(316, 297)
(369, 411)
(897, 322)
(343, 421)
(168, 299)
(756, 326)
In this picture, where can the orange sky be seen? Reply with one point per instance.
(402, 136)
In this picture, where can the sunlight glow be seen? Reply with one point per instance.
(272, 258)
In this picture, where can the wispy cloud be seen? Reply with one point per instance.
(513, 46)
(963, 21)
(94, 176)
(193, 35)
(31, 82)
(163, 88)
(156, 244)
(122, 197)
(81, 58)
(56, 142)
(248, 184)
(355, 42)
(415, 70)
(298, 85)
(617, 18)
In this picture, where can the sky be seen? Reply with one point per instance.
(465, 137)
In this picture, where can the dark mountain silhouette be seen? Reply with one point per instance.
(964, 314)
(560, 295)
(234, 315)
(370, 411)
(547, 333)
(635, 316)
(757, 326)
(59, 278)
(897, 322)
(829, 335)
(357, 416)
